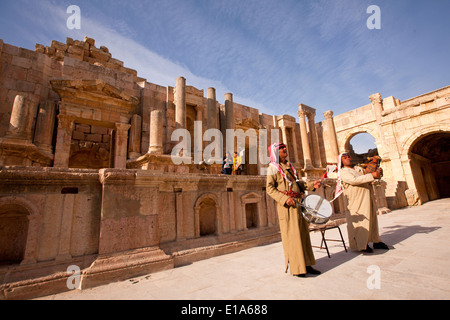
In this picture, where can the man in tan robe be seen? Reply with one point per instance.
(281, 177)
(362, 222)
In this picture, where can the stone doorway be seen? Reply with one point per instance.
(207, 217)
(91, 147)
(430, 159)
(13, 234)
(251, 215)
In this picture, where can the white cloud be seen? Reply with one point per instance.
(149, 65)
(271, 55)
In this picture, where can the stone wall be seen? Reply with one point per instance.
(115, 224)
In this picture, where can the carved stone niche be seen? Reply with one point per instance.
(95, 104)
(17, 147)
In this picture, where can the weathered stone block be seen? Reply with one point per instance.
(40, 48)
(22, 62)
(90, 41)
(99, 54)
(59, 45)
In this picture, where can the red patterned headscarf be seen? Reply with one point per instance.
(275, 161)
(339, 189)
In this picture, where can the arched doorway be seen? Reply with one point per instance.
(361, 145)
(13, 233)
(430, 159)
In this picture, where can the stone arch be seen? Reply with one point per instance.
(406, 147)
(206, 212)
(19, 229)
(344, 142)
(426, 169)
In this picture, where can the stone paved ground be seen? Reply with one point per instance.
(417, 268)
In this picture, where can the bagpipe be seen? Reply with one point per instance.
(372, 165)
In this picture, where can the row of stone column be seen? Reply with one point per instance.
(180, 107)
(157, 120)
(24, 110)
(312, 155)
(309, 137)
(212, 116)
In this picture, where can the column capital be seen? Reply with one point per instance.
(375, 98)
(310, 116)
(328, 114)
(66, 121)
(211, 93)
(122, 127)
(199, 108)
(305, 110)
(228, 96)
(302, 113)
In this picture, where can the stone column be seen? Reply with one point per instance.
(377, 108)
(229, 119)
(21, 121)
(156, 132)
(134, 147)
(198, 134)
(284, 139)
(229, 112)
(45, 125)
(179, 217)
(63, 141)
(212, 109)
(284, 136)
(275, 121)
(295, 139)
(305, 140)
(120, 156)
(314, 140)
(332, 138)
(180, 103)
(377, 104)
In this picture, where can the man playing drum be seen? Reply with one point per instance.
(283, 187)
(362, 222)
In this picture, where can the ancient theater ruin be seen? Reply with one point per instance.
(88, 177)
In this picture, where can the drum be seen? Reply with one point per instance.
(316, 209)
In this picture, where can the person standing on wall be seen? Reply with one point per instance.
(237, 164)
(227, 164)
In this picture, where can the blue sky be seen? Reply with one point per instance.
(272, 55)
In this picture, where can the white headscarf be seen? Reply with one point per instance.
(339, 190)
